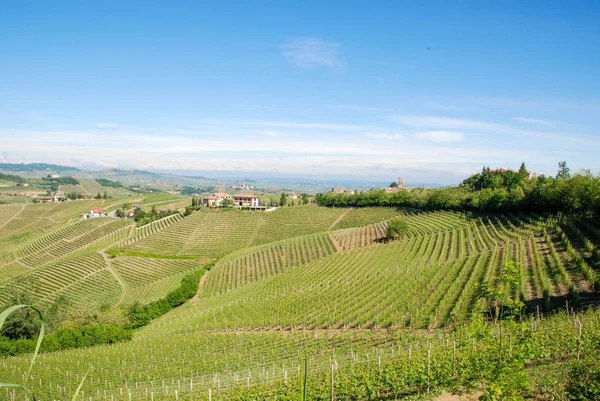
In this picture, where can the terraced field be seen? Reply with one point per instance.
(214, 233)
(367, 215)
(206, 234)
(243, 267)
(35, 220)
(92, 187)
(82, 236)
(314, 282)
(84, 280)
(147, 279)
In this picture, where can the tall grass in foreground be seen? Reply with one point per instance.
(23, 386)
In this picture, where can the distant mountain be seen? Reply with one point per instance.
(29, 167)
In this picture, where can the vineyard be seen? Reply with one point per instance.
(372, 316)
(92, 187)
(147, 280)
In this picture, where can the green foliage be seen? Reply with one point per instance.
(108, 183)
(490, 191)
(564, 172)
(140, 315)
(396, 228)
(226, 203)
(283, 199)
(61, 180)
(67, 339)
(500, 297)
(12, 177)
(583, 380)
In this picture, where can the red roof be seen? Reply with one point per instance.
(97, 210)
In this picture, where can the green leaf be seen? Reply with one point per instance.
(10, 310)
(74, 398)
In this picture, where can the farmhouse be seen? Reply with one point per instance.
(239, 200)
(97, 212)
(245, 200)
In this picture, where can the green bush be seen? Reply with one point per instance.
(67, 338)
(583, 381)
(141, 315)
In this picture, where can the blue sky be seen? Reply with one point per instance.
(370, 89)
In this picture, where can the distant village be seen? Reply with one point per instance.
(393, 187)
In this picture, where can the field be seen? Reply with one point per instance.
(305, 282)
(91, 187)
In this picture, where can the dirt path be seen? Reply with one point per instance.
(339, 219)
(116, 276)
(335, 243)
(452, 397)
(196, 297)
(12, 218)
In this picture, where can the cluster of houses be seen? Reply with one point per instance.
(242, 186)
(399, 187)
(58, 197)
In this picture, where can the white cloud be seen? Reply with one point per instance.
(312, 52)
(320, 126)
(448, 123)
(535, 121)
(379, 135)
(440, 136)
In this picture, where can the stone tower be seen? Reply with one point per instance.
(400, 182)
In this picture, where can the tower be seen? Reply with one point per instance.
(400, 182)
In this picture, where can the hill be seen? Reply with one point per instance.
(324, 283)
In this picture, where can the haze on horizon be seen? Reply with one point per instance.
(340, 89)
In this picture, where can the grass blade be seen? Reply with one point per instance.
(5, 313)
(19, 386)
(74, 398)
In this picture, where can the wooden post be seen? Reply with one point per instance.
(332, 384)
(428, 368)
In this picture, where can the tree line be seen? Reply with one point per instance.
(490, 191)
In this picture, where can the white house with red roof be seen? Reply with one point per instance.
(97, 212)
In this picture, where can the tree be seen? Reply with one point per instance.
(394, 184)
(523, 170)
(305, 199)
(98, 196)
(227, 202)
(119, 213)
(105, 196)
(283, 199)
(395, 228)
(564, 172)
(153, 211)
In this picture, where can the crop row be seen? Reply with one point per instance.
(267, 260)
